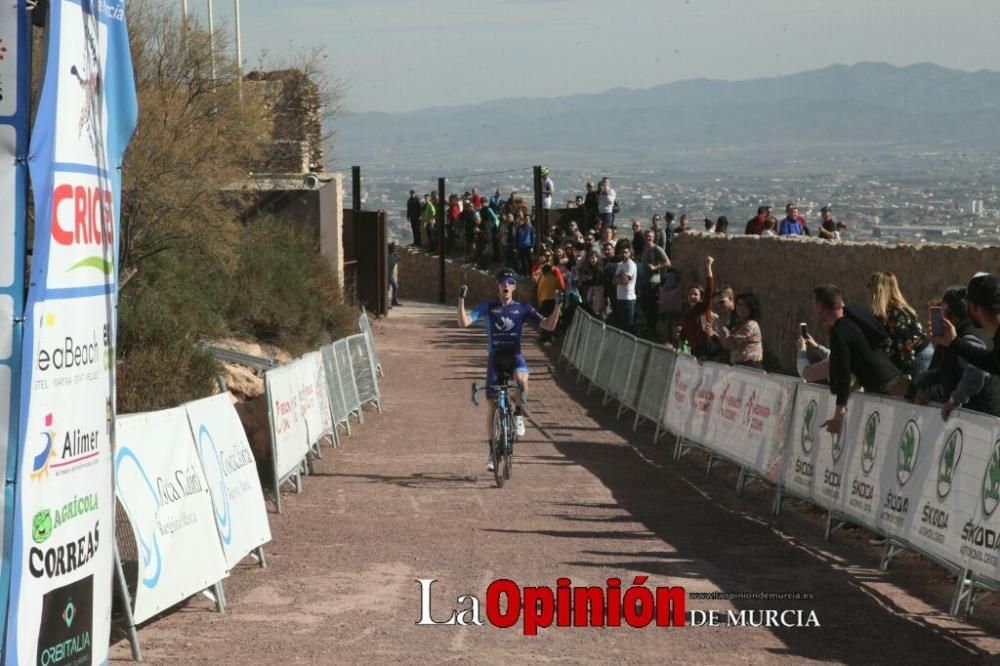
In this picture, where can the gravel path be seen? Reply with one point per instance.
(408, 498)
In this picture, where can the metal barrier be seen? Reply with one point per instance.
(338, 405)
(342, 362)
(363, 368)
(366, 328)
(897, 469)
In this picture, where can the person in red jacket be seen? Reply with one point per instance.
(758, 223)
(698, 316)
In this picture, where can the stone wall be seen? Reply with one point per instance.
(418, 280)
(783, 271)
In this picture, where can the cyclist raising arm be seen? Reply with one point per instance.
(504, 320)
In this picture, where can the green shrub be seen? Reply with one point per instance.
(284, 291)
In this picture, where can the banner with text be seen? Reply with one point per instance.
(61, 576)
(288, 406)
(15, 81)
(231, 473)
(815, 463)
(162, 487)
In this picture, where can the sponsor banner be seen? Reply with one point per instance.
(870, 458)
(86, 114)
(15, 79)
(911, 436)
(769, 416)
(231, 474)
(733, 411)
(945, 483)
(289, 405)
(975, 497)
(685, 381)
(162, 487)
(815, 461)
(64, 526)
(703, 403)
(318, 419)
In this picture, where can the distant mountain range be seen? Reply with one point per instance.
(859, 106)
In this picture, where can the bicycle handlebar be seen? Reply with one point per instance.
(476, 388)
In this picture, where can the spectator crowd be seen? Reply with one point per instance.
(949, 354)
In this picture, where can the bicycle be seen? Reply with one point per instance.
(503, 434)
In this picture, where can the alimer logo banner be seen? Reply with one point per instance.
(85, 117)
(15, 80)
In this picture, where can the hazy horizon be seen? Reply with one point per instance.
(398, 55)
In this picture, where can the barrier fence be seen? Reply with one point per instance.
(188, 482)
(897, 469)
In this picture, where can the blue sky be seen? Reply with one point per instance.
(400, 55)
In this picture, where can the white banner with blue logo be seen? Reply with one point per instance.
(63, 519)
(231, 472)
(162, 487)
(15, 80)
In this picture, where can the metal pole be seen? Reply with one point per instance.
(239, 52)
(442, 296)
(211, 37)
(538, 208)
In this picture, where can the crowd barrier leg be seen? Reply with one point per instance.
(708, 467)
(741, 481)
(126, 601)
(216, 596)
(963, 589)
(833, 523)
(776, 504)
(890, 549)
(258, 554)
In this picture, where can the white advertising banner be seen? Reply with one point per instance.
(870, 458)
(975, 495)
(704, 400)
(815, 461)
(686, 380)
(912, 434)
(943, 494)
(162, 487)
(231, 473)
(770, 418)
(65, 522)
(314, 397)
(288, 408)
(733, 412)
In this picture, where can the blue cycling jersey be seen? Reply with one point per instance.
(504, 323)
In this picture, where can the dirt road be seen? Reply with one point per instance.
(408, 498)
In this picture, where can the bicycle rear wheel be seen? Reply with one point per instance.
(498, 446)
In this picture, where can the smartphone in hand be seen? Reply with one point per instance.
(937, 320)
(803, 330)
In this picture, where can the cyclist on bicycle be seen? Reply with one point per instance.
(504, 320)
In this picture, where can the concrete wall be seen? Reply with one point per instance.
(782, 273)
(331, 211)
(418, 280)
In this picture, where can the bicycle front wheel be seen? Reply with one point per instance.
(498, 446)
